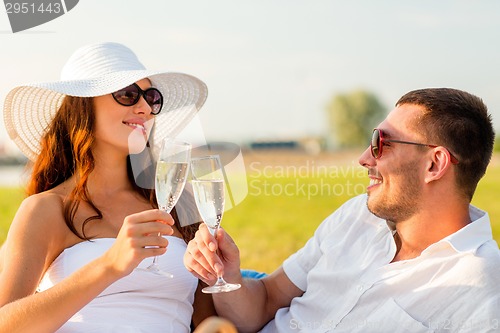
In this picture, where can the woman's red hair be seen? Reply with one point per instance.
(66, 150)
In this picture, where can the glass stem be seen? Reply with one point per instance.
(155, 260)
(220, 281)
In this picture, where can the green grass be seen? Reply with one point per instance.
(10, 198)
(486, 198)
(281, 213)
(283, 208)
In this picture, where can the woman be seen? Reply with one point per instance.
(90, 217)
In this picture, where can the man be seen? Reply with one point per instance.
(410, 256)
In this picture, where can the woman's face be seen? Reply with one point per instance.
(122, 128)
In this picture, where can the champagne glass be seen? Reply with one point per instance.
(170, 179)
(208, 189)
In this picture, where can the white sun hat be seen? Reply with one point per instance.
(96, 70)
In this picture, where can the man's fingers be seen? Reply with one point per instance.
(195, 261)
(204, 234)
(200, 272)
(201, 255)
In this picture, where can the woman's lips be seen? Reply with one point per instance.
(136, 126)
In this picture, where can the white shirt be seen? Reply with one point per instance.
(350, 284)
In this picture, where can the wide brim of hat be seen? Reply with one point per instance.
(29, 109)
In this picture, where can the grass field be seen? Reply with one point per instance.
(10, 198)
(289, 195)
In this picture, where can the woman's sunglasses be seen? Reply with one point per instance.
(130, 95)
(377, 145)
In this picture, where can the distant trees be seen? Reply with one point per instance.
(352, 117)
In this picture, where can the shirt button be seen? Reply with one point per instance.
(360, 288)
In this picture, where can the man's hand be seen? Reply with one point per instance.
(207, 256)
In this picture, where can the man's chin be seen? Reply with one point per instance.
(373, 209)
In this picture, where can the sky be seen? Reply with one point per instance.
(272, 66)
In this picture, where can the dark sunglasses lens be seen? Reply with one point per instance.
(154, 99)
(127, 96)
(375, 144)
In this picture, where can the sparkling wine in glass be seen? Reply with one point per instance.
(208, 190)
(170, 178)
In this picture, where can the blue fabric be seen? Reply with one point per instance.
(251, 274)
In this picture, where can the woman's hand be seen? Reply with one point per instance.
(140, 237)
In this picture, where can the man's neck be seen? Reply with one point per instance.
(416, 234)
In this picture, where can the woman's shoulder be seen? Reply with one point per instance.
(36, 237)
(45, 196)
(42, 203)
(40, 213)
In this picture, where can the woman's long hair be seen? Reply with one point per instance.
(66, 150)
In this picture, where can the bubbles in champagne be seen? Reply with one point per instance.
(169, 181)
(209, 197)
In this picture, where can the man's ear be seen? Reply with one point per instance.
(438, 165)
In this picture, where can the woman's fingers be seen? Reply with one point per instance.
(152, 240)
(150, 215)
(140, 237)
(152, 221)
(149, 228)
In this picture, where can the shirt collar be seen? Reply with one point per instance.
(473, 235)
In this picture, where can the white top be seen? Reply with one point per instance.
(140, 302)
(350, 284)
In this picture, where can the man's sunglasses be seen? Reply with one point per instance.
(130, 95)
(377, 145)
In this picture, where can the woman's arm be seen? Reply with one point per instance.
(35, 238)
(25, 258)
(50, 309)
(1, 257)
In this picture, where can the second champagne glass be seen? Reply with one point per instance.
(170, 179)
(208, 189)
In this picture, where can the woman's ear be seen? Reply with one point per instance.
(438, 165)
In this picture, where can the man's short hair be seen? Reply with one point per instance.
(460, 122)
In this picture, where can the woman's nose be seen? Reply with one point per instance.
(142, 106)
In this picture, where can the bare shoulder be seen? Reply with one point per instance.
(41, 206)
(36, 237)
(39, 215)
(43, 201)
